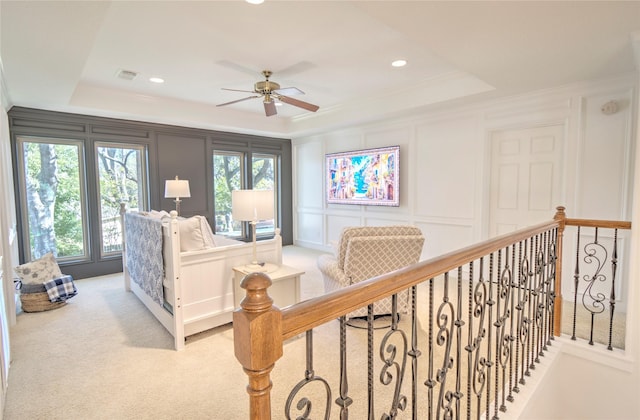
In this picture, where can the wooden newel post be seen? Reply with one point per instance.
(561, 218)
(257, 332)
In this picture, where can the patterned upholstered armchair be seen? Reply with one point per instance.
(366, 252)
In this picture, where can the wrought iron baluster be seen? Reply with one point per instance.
(612, 298)
(470, 344)
(498, 343)
(512, 291)
(523, 299)
(518, 308)
(490, 304)
(343, 400)
(531, 305)
(304, 404)
(535, 304)
(445, 323)
(459, 323)
(551, 276)
(576, 281)
(370, 396)
(414, 353)
(479, 366)
(592, 301)
(388, 354)
(544, 304)
(540, 279)
(503, 350)
(528, 322)
(552, 285)
(430, 382)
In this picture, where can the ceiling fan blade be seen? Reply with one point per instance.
(289, 91)
(240, 90)
(295, 69)
(236, 66)
(270, 108)
(299, 103)
(239, 100)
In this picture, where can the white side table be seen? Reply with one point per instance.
(285, 287)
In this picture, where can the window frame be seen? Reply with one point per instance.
(22, 185)
(243, 175)
(248, 153)
(143, 182)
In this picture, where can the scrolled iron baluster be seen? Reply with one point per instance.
(304, 404)
(553, 257)
(512, 338)
(414, 353)
(386, 376)
(533, 303)
(540, 297)
(490, 303)
(479, 374)
(388, 353)
(595, 254)
(445, 323)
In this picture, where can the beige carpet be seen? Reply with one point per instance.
(104, 356)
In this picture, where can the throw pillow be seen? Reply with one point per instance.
(190, 235)
(38, 271)
(207, 234)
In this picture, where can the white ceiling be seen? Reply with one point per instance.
(66, 55)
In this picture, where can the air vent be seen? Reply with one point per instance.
(127, 74)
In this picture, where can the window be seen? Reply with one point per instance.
(53, 198)
(228, 175)
(121, 179)
(263, 178)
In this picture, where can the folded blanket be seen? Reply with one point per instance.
(61, 289)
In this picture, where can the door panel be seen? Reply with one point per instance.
(525, 177)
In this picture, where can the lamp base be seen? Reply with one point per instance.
(259, 267)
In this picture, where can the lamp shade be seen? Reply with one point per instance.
(252, 205)
(176, 188)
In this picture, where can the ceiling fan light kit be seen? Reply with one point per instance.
(271, 92)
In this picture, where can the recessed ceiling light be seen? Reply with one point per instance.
(255, 1)
(399, 63)
(156, 80)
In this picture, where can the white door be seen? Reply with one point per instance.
(525, 177)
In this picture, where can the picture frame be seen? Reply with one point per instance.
(364, 177)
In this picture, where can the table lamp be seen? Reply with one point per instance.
(253, 206)
(176, 188)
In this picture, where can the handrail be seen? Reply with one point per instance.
(607, 224)
(317, 311)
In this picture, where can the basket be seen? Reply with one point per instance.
(38, 302)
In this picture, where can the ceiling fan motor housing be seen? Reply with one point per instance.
(266, 86)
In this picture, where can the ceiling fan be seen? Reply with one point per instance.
(271, 92)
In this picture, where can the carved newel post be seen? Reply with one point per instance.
(257, 331)
(561, 218)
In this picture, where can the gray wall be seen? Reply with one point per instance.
(173, 150)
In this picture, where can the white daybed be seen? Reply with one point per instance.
(187, 290)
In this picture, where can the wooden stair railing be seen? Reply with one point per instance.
(260, 329)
